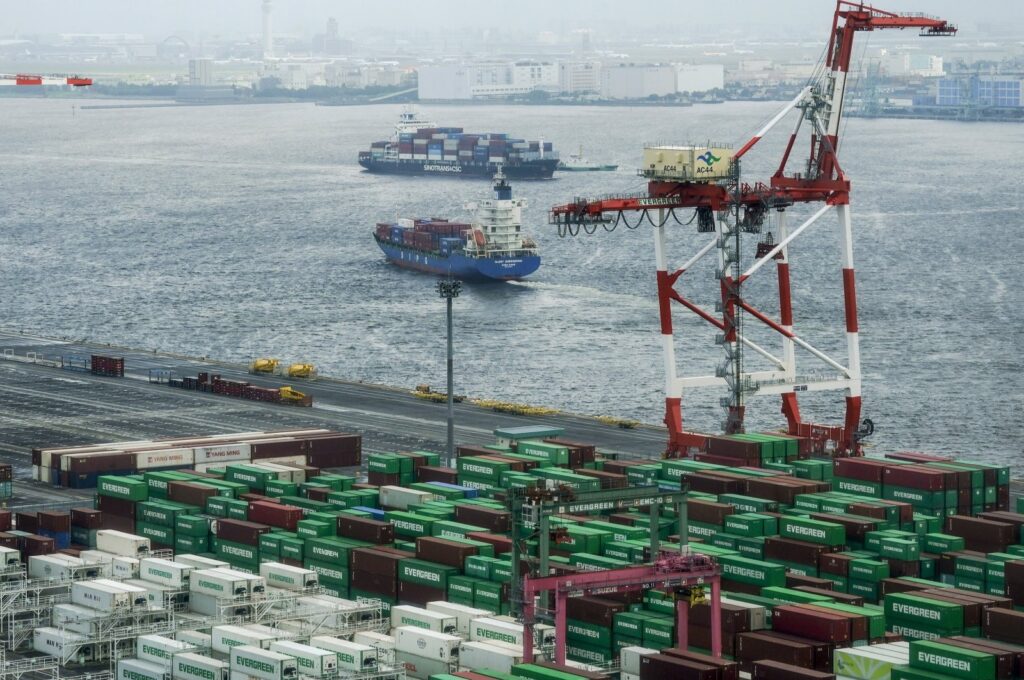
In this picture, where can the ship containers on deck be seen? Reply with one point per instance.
(463, 614)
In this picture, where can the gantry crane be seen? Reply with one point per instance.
(708, 180)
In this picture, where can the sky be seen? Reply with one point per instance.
(159, 18)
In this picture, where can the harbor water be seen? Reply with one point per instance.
(242, 231)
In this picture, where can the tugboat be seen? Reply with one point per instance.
(578, 163)
(492, 247)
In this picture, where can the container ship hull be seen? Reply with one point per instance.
(536, 169)
(510, 268)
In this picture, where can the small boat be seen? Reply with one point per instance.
(578, 163)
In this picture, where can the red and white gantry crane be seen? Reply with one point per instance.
(681, 177)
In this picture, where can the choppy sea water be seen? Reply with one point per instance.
(244, 231)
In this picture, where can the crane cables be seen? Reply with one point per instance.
(590, 228)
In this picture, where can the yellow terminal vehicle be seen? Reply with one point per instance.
(424, 392)
(294, 397)
(270, 366)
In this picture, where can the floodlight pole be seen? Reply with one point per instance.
(449, 288)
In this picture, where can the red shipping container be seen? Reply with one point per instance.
(362, 529)
(863, 469)
(378, 560)
(6, 520)
(443, 551)
(36, 545)
(915, 477)
(496, 521)
(8, 540)
(86, 518)
(729, 670)
(609, 480)
(663, 666)
(275, 514)
(437, 474)
(419, 594)
(776, 670)
(374, 582)
(190, 493)
(239, 531)
(502, 544)
(54, 521)
(26, 521)
(811, 624)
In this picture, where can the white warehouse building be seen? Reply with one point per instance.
(637, 81)
(579, 76)
(699, 77)
(485, 79)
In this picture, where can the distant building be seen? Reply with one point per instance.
(699, 77)
(485, 79)
(983, 90)
(637, 81)
(577, 77)
(200, 72)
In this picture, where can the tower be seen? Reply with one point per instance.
(268, 35)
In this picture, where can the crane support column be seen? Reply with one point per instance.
(790, 406)
(673, 391)
(853, 398)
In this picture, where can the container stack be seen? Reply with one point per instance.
(80, 467)
(453, 144)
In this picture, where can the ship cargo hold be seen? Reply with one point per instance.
(418, 147)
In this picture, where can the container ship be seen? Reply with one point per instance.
(493, 247)
(418, 147)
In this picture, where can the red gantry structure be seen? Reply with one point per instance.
(708, 180)
(49, 79)
(687, 573)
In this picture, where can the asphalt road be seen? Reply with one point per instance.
(45, 406)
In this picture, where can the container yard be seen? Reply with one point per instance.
(240, 558)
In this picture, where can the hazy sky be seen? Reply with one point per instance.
(159, 18)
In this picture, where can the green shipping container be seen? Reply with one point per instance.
(329, 572)
(588, 654)
(753, 572)
(410, 524)
(156, 533)
(426, 573)
(958, 662)
(812, 531)
(588, 633)
(191, 525)
(921, 610)
(122, 487)
(184, 543)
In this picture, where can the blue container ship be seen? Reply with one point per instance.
(492, 248)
